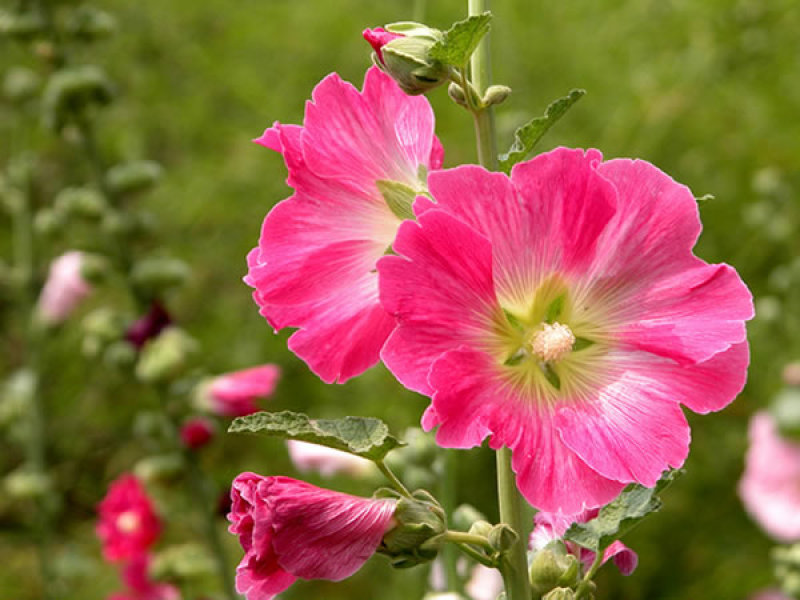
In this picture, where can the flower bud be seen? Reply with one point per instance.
(104, 323)
(64, 289)
(17, 393)
(465, 516)
(81, 203)
(791, 374)
(134, 176)
(89, 24)
(551, 567)
(182, 561)
(560, 594)
(785, 409)
(404, 53)
(21, 84)
(456, 93)
(48, 222)
(419, 520)
(159, 468)
(502, 537)
(153, 276)
(481, 528)
(69, 90)
(26, 484)
(196, 432)
(22, 26)
(166, 357)
(496, 94)
(119, 354)
(149, 325)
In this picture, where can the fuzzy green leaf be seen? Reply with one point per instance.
(460, 41)
(527, 136)
(362, 436)
(616, 518)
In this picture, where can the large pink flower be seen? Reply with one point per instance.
(290, 529)
(553, 526)
(770, 486)
(561, 312)
(128, 524)
(314, 267)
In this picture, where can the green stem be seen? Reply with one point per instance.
(204, 493)
(480, 74)
(476, 556)
(461, 537)
(393, 479)
(418, 12)
(448, 489)
(514, 566)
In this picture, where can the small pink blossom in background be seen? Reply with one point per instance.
(770, 595)
(196, 432)
(484, 583)
(236, 394)
(549, 527)
(64, 288)
(326, 461)
(589, 397)
(128, 524)
(149, 325)
(290, 529)
(378, 37)
(140, 586)
(314, 267)
(770, 485)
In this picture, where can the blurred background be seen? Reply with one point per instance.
(708, 91)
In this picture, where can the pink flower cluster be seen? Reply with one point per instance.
(558, 311)
(128, 526)
(290, 529)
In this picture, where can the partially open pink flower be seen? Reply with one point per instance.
(770, 485)
(326, 461)
(552, 526)
(290, 529)
(378, 38)
(128, 524)
(314, 267)
(64, 288)
(561, 312)
(236, 394)
(139, 584)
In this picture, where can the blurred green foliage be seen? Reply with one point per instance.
(708, 91)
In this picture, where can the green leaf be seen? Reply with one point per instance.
(527, 136)
(460, 41)
(398, 197)
(362, 436)
(616, 518)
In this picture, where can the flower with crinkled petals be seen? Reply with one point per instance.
(561, 312)
(236, 394)
(290, 529)
(128, 524)
(770, 485)
(552, 526)
(139, 584)
(314, 267)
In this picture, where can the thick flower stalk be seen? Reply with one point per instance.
(290, 529)
(561, 312)
(770, 485)
(355, 164)
(128, 524)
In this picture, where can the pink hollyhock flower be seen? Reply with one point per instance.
(561, 312)
(314, 267)
(64, 288)
(236, 394)
(140, 586)
(290, 529)
(326, 461)
(552, 526)
(770, 486)
(196, 432)
(128, 524)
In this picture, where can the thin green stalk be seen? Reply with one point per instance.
(393, 479)
(480, 75)
(448, 489)
(205, 495)
(418, 12)
(461, 537)
(514, 566)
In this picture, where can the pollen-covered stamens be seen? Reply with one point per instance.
(552, 342)
(128, 522)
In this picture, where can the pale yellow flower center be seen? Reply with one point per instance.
(552, 342)
(128, 522)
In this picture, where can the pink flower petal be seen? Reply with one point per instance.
(441, 300)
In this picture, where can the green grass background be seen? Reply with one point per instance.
(707, 90)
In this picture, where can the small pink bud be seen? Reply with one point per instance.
(378, 38)
(148, 325)
(196, 432)
(236, 394)
(64, 289)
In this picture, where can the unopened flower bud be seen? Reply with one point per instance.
(22, 26)
(94, 268)
(104, 323)
(48, 222)
(496, 94)
(166, 357)
(25, 484)
(196, 432)
(149, 325)
(88, 24)
(791, 374)
(134, 176)
(465, 516)
(481, 528)
(552, 567)
(785, 409)
(502, 537)
(120, 354)
(21, 84)
(64, 289)
(81, 203)
(403, 51)
(160, 468)
(419, 520)
(560, 594)
(153, 276)
(182, 561)
(69, 90)
(456, 93)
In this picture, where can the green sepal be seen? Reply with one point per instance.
(581, 344)
(363, 436)
(555, 309)
(550, 374)
(398, 197)
(616, 518)
(527, 136)
(459, 42)
(416, 538)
